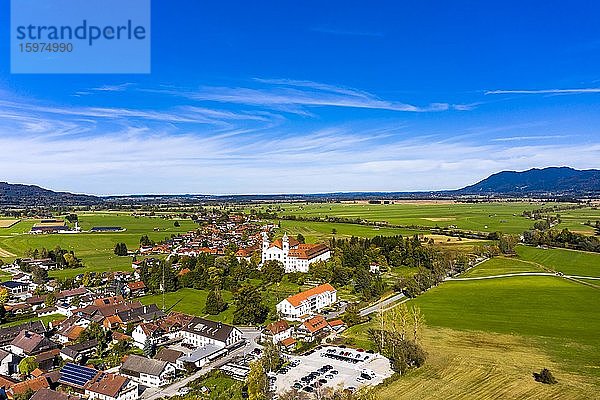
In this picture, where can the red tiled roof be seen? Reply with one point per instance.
(298, 298)
(278, 327)
(107, 384)
(136, 285)
(315, 324)
(33, 384)
(287, 342)
(308, 251)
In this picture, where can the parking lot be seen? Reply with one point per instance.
(333, 367)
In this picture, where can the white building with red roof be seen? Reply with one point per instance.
(295, 256)
(302, 305)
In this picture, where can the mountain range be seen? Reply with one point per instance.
(551, 181)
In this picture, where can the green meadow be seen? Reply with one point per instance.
(546, 307)
(95, 249)
(501, 266)
(323, 231)
(484, 217)
(570, 262)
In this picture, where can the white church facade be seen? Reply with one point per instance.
(295, 256)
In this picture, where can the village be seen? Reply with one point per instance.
(103, 343)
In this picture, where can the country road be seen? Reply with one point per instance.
(372, 309)
(477, 278)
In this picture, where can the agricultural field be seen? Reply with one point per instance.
(483, 217)
(570, 262)
(7, 223)
(574, 220)
(323, 231)
(486, 337)
(502, 265)
(95, 249)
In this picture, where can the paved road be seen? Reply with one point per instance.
(477, 278)
(250, 334)
(384, 303)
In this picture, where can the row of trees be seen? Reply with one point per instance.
(63, 258)
(397, 337)
(562, 238)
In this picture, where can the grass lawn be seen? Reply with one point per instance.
(191, 301)
(502, 265)
(220, 387)
(46, 320)
(567, 261)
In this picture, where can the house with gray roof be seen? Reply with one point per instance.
(147, 371)
(200, 332)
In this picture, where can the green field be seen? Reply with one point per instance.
(574, 220)
(95, 249)
(500, 266)
(484, 217)
(567, 261)
(486, 337)
(192, 302)
(322, 231)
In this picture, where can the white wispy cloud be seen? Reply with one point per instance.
(308, 94)
(546, 91)
(522, 138)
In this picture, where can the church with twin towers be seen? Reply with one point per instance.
(295, 256)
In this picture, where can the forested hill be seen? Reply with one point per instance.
(546, 180)
(31, 195)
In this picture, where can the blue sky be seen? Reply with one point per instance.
(289, 96)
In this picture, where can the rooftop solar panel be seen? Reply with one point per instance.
(76, 374)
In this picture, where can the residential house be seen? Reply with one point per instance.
(136, 289)
(147, 332)
(107, 386)
(199, 332)
(33, 385)
(169, 355)
(76, 352)
(29, 343)
(8, 334)
(47, 360)
(277, 331)
(15, 288)
(7, 362)
(288, 344)
(49, 394)
(147, 371)
(312, 328)
(301, 305)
